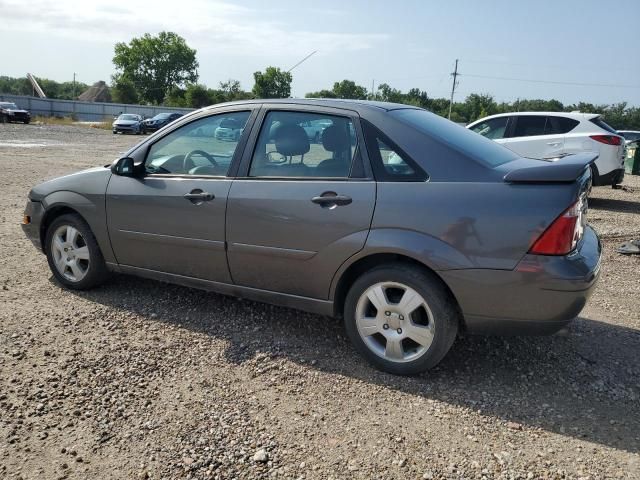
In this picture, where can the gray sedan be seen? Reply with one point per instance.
(408, 226)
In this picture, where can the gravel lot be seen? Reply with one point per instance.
(139, 379)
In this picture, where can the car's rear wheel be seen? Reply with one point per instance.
(73, 253)
(400, 318)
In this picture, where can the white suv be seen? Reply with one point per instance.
(550, 135)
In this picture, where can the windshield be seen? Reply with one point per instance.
(459, 138)
(9, 106)
(128, 117)
(161, 116)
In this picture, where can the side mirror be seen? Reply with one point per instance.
(123, 167)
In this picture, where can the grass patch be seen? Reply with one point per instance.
(105, 124)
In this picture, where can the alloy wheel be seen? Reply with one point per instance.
(395, 322)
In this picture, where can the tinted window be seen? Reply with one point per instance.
(456, 137)
(195, 149)
(559, 125)
(285, 148)
(529, 125)
(389, 162)
(631, 136)
(493, 128)
(602, 124)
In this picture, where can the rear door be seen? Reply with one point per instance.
(298, 210)
(534, 136)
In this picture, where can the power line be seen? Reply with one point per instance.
(564, 66)
(315, 51)
(552, 82)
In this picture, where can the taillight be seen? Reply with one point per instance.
(563, 235)
(607, 139)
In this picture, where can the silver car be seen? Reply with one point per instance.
(408, 226)
(128, 123)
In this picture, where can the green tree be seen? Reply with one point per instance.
(124, 91)
(321, 94)
(273, 83)
(349, 89)
(197, 96)
(155, 64)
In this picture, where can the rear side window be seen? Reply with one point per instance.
(602, 124)
(460, 139)
(389, 162)
(529, 125)
(559, 125)
(493, 128)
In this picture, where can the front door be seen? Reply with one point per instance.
(172, 219)
(303, 207)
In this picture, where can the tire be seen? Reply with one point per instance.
(26, 122)
(114, 132)
(86, 270)
(433, 322)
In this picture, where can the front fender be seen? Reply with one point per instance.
(90, 207)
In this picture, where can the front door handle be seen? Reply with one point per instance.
(331, 199)
(554, 144)
(197, 196)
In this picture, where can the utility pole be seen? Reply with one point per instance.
(453, 87)
(373, 95)
(74, 85)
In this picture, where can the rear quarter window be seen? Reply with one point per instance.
(474, 146)
(602, 124)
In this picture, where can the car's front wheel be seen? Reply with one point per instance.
(400, 318)
(73, 253)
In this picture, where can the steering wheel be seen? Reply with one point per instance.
(187, 159)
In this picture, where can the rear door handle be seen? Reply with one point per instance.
(197, 196)
(331, 198)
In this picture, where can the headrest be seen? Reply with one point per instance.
(291, 140)
(335, 139)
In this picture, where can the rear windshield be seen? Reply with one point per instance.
(602, 124)
(459, 138)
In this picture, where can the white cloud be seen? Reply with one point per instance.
(215, 26)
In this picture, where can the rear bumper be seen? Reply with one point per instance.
(614, 177)
(541, 296)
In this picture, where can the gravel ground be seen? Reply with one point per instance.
(139, 379)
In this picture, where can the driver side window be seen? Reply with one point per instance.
(203, 147)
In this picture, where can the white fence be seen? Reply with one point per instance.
(85, 111)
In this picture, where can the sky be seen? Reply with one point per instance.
(570, 50)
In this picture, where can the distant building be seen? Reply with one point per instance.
(98, 92)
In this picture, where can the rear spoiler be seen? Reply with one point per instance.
(563, 170)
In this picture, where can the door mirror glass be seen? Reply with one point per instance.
(123, 167)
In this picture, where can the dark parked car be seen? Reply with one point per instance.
(159, 121)
(408, 226)
(128, 123)
(9, 112)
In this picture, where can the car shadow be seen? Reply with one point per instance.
(585, 384)
(614, 204)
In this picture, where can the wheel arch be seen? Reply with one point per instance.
(50, 215)
(365, 263)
